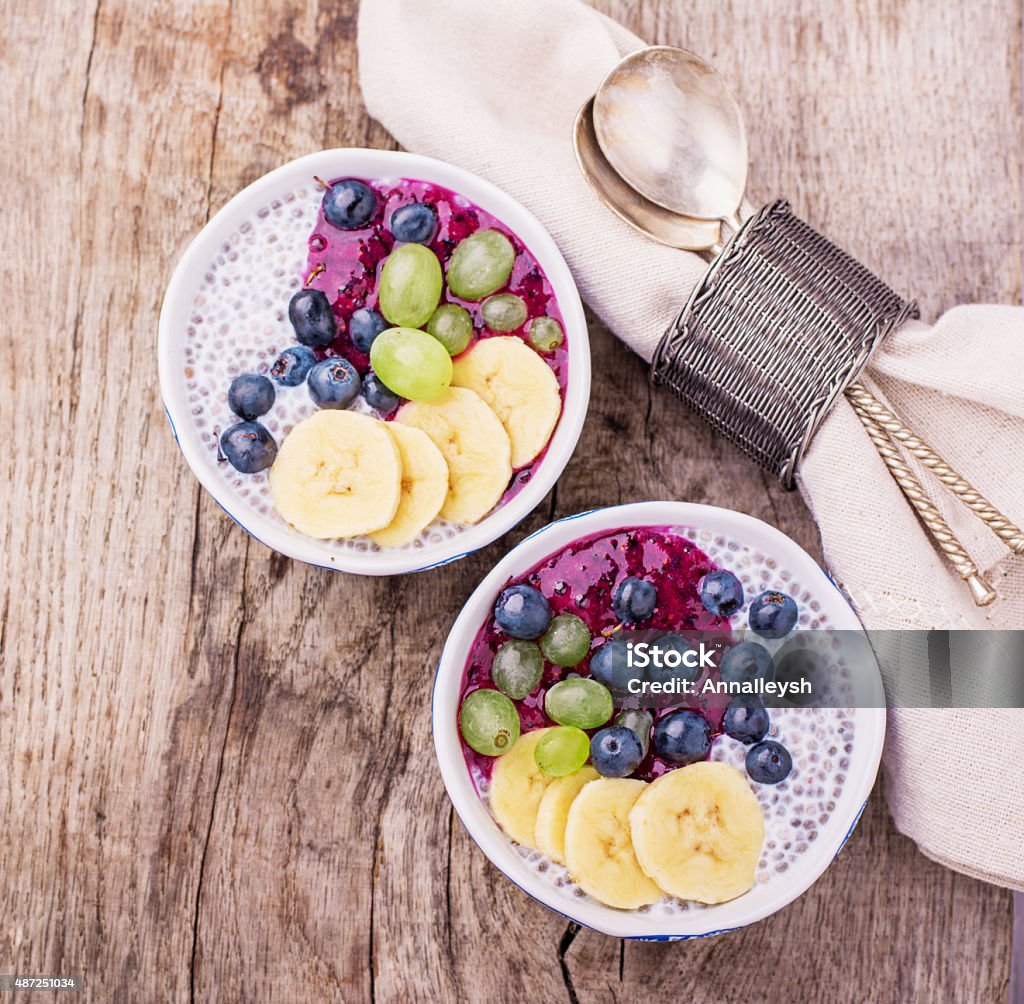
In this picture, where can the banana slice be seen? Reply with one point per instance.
(337, 474)
(553, 812)
(598, 847)
(520, 387)
(424, 486)
(697, 832)
(517, 786)
(475, 446)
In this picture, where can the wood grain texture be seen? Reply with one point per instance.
(218, 775)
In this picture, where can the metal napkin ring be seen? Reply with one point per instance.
(782, 323)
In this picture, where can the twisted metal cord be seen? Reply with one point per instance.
(934, 523)
(1000, 524)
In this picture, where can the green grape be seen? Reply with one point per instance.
(410, 362)
(562, 751)
(545, 334)
(638, 722)
(567, 641)
(410, 285)
(489, 722)
(452, 326)
(480, 265)
(581, 701)
(504, 312)
(517, 668)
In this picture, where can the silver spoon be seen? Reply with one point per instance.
(628, 204)
(668, 143)
(669, 127)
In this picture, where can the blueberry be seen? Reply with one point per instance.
(682, 737)
(797, 664)
(615, 751)
(293, 365)
(251, 395)
(671, 645)
(310, 312)
(746, 719)
(609, 665)
(349, 204)
(522, 612)
(773, 614)
(414, 223)
(334, 383)
(746, 662)
(248, 447)
(364, 326)
(721, 593)
(769, 762)
(378, 395)
(635, 600)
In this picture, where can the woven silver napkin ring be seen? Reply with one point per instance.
(783, 322)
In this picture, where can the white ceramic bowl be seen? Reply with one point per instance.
(762, 900)
(179, 305)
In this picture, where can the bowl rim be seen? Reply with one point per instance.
(485, 832)
(366, 162)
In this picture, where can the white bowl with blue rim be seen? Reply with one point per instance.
(762, 900)
(225, 236)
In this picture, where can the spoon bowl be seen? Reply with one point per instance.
(629, 205)
(668, 126)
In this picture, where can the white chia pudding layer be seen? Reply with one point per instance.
(820, 739)
(239, 324)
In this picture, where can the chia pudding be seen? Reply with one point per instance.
(243, 320)
(715, 587)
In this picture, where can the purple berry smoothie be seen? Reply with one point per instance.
(581, 579)
(239, 321)
(346, 264)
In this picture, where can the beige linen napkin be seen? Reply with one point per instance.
(516, 73)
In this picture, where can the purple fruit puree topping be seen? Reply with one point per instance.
(582, 579)
(345, 265)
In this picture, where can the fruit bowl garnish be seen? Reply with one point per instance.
(398, 290)
(674, 817)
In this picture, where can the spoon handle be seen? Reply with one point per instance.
(940, 531)
(1001, 525)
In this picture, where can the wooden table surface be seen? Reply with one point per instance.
(218, 776)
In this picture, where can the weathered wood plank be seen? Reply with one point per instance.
(114, 641)
(220, 768)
